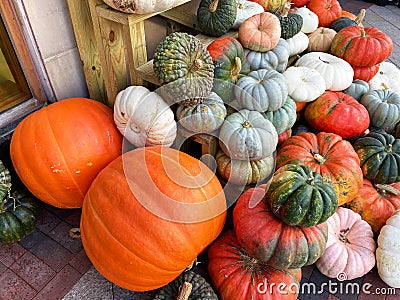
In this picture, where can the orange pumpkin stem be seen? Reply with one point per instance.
(185, 291)
(213, 6)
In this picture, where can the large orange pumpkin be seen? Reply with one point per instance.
(58, 150)
(148, 214)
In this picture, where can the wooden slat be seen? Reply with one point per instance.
(182, 16)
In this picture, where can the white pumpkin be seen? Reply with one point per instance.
(245, 10)
(388, 251)
(388, 77)
(144, 118)
(304, 84)
(337, 72)
(310, 19)
(321, 39)
(141, 6)
(298, 43)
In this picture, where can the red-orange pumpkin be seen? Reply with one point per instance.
(284, 136)
(376, 203)
(148, 214)
(299, 3)
(58, 150)
(329, 155)
(238, 276)
(326, 10)
(365, 73)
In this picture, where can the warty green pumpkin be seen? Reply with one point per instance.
(291, 23)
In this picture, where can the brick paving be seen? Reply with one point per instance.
(49, 264)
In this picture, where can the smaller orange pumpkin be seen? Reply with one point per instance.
(260, 32)
(365, 73)
(326, 10)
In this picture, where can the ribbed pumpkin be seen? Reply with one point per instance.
(299, 196)
(238, 276)
(184, 67)
(230, 64)
(58, 150)
(379, 155)
(343, 21)
(365, 73)
(387, 77)
(283, 118)
(298, 43)
(310, 19)
(142, 203)
(291, 23)
(320, 40)
(327, 154)
(270, 240)
(299, 3)
(216, 17)
(271, 5)
(326, 10)
(362, 47)
(383, 107)
(245, 10)
(338, 113)
(357, 89)
(260, 32)
(376, 203)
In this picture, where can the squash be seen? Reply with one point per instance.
(261, 90)
(387, 253)
(383, 107)
(203, 116)
(184, 68)
(247, 135)
(343, 22)
(297, 44)
(327, 154)
(326, 10)
(299, 3)
(338, 73)
(284, 135)
(310, 19)
(58, 150)
(245, 10)
(190, 285)
(350, 247)
(144, 118)
(283, 118)
(299, 196)
(387, 77)
(141, 6)
(362, 47)
(379, 155)
(376, 203)
(216, 17)
(291, 23)
(230, 64)
(338, 113)
(365, 73)
(357, 89)
(142, 203)
(271, 6)
(237, 276)
(320, 40)
(244, 172)
(271, 241)
(274, 59)
(260, 32)
(304, 84)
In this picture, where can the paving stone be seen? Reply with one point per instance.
(81, 262)
(33, 270)
(311, 291)
(307, 271)
(13, 287)
(46, 221)
(61, 234)
(123, 294)
(9, 253)
(74, 218)
(59, 212)
(393, 294)
(372, 284)
(3, 267)
(33, 239)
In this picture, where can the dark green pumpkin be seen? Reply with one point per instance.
(299, 196)
(291, 23)
(216, 17)
(283, 118)
(379, 155)
(184, 68)
(201, 289)
(343, 22)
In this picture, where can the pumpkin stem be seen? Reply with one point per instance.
(360, 16)
(384, 86)
(318, 157)
(362, 32)
(185, 291)
(343, 235)
(237, 67)
(213, 6)
(324, 61)
(197, 65)
(389, 148)
(246, 124)
(387, 188)
(284, 10)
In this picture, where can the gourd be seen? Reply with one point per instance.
(202, 115)
(261, 90)
(271, 5)
(245, 10)
(310, 19)
(357, 89)
(271, 241)
(383, 107)
(350, 247)
(291, 23)
(65, 145)
(216, 17)
(144, 118)
(338, 73)
(260, 32)
(283, 118)
(299, 196)
(320, 40)
(338, 113)
(365, 73)
(326, 10)
(184, 68)
(141, 6)
(189, 284)
(387, 253)
(237, 276)
(343, 22)
(379, 155)
(304, 84)
(141, 204)
(327, 154)
(297, 44)
(244, 172)
(274, 59)
(247, 135)
(387, 77)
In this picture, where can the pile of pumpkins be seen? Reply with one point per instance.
(306, 110)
